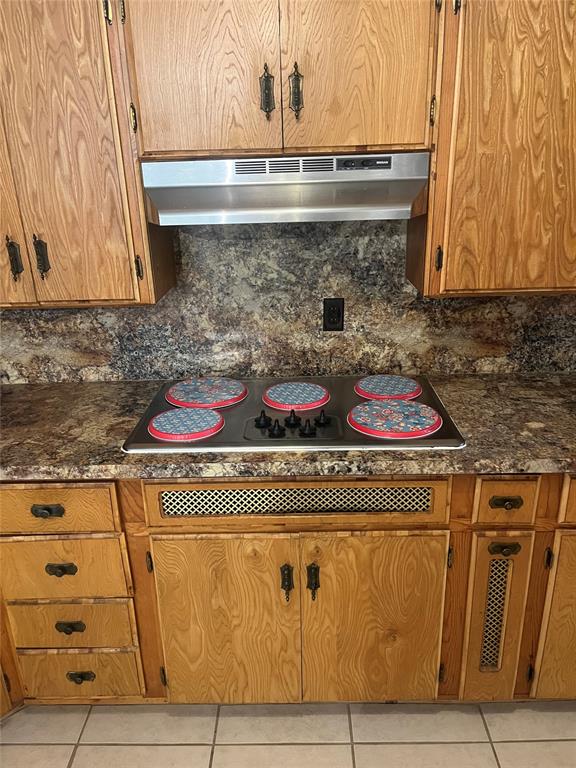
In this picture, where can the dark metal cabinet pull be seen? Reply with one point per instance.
(313, 578)
(287, 579)
(81, 677)
(267, 102)
(61, 569)
(506, 502)
(506, 549)
(42, 261)
(296, 91)
(47, 510)
(69, 627)
(16, 265)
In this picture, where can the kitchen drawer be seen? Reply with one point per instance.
(568, 504)
(296, 502)
(94, 624)
(498, 501)
(96, 567)
(46, 674)
(58, 508)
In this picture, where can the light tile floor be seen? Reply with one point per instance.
(539, 735)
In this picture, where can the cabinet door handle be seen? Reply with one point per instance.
(267, 102)
(313, 578)
(506, 502)
(61, 569)
(287, 579)
(14, 257)
(42, 260)
(296, 91)
(81, 677)
(506, 549)
(69, 627)
(45, 511)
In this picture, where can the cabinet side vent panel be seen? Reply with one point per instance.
(498, 578)
(278, 501)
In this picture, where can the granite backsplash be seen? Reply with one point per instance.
(249, 303)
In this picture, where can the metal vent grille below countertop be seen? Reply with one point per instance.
(490, 657)
(278, 501)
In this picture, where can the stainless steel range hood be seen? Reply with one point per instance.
(279, 189)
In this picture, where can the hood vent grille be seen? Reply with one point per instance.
(285, 165)
(242, 167)
(318, 164)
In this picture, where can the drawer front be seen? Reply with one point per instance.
(58, 508)
(505, 502)
(91, 567)
(72, 625)
(52, 675)
(568, 505)
(199, 504)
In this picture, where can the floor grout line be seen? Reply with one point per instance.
(75, 749)
(352, 752)
(216, 721)
(489, 736)
(274, 743)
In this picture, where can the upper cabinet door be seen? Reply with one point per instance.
(366, 70)
(197, 67)
(16, 282)
(63, 144)
(511, 217)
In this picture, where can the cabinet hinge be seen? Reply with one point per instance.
(439, 258)
(442, 673)
(548, 558)
(163, 678)
(456, 6)
(122, 12)
(450, 558)
(7, 682)
(139, 268)
(530, 673)
(149, 562)
(107, 7)
(133, 118)
(433, 111)
(438, 4)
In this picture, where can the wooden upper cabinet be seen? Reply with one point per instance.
(17, 289)
(63, 143)
(196, 67)
(367, 72)
(510, 221)
(371, 630)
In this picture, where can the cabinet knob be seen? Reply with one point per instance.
(45, 511)
(61, 569)
(81, 677)
(506, 549)
(506, 502)
(69, 627)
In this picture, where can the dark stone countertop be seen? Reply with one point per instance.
(72, 431)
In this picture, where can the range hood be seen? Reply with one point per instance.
(287, 189)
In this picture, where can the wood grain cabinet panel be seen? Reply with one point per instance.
(568, 505)
(19, 290)
(511, 215)
(72, 624)
(89, 566)
(196, 69)
(230, 635)
(556, 661)
(498, 501)
(58, 508)
(63, 143)
(367, 71)
(372, 629)
(46, 675)
(498, 587)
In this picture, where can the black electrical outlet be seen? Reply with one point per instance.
(333, 315)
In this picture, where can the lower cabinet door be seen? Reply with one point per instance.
(72, 674)
(556, 662)
(230, 617)
(372, 606)
(497, 590)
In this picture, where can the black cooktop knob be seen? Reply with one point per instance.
(293, 420)
(263, 421)
(322, 420)
(308, 430)
(277, 430)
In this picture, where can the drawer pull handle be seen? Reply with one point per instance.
(47, 510)
(313, 578)
(61, 569)
(506, 549)
(81, 677)
(506, 502)
(287, 579)
(69, 627)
